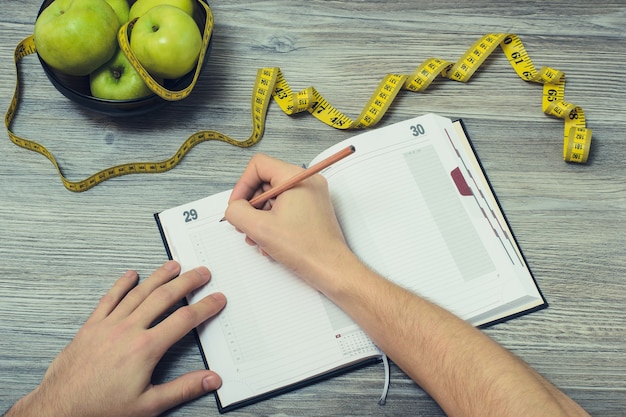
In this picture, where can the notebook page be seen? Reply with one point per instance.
(275, 329)
(476, 176)
(438, 243)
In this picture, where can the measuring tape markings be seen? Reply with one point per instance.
(270, 83)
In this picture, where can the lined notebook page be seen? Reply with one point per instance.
(275, 329)
(438, 243)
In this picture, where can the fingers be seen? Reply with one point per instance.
(245, 217)
(138, 295)
(186, 318)
(262, 169)
(166, 295)
(112, 298)
(148, 301)
(182, 389)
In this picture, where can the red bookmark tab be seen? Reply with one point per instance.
(461, 184)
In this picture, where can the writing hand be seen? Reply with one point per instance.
(298, 228)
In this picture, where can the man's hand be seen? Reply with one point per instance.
(106, 370)
(298, 228)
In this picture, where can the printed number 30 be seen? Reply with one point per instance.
(418, 130)
(190, 215)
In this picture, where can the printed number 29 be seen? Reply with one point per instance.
(418, 130)
(190, 215)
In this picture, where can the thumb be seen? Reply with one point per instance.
(181, 390)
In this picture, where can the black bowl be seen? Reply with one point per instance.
(77, 88)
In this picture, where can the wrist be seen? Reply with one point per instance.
(25, 406)
(343, 276)
(37, 404)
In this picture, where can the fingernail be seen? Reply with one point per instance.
(211, 382)
(130, 273)
(170, 265)
(204, 272)
(219, 297)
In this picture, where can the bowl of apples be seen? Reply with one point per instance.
(78, 48)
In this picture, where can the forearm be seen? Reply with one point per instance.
(465, 371)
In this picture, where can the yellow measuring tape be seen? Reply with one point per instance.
(270, 83)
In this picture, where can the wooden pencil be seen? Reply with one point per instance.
(310, 171)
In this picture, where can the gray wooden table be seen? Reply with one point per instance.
(60, 251)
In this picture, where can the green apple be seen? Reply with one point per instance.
(121, 9)
(76, 37)
(117, 80)
(166, 41)
(140, 7)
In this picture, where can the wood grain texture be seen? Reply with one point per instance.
(60, 251)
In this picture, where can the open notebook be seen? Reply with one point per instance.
(414, 204)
